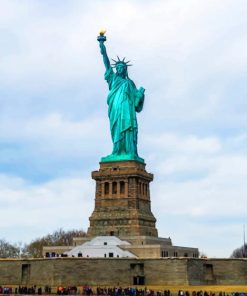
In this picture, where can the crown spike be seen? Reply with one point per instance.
(119, 61)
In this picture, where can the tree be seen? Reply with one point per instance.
(8, 250)
(240, 252)
(57, 238)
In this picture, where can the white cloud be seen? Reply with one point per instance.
(56, 135)
(171, 142)
(207, 211)
(35, 210)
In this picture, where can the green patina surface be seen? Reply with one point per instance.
(123, 100)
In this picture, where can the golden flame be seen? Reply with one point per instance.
(102, 32)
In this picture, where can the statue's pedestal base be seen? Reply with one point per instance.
(122, 201)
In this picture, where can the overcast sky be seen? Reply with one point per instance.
(190, 56)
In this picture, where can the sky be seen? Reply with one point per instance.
(190, 56)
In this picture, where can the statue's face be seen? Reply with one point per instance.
(121, 69)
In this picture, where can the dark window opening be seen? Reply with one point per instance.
(105, 243)
(114, 188)
(111, 233)
(185, 254)
(122, 187)
(47, 254)
(111, 255)
(208, 272)
(106, 188)
(79, 254)
(138, 280)
(25, 273)
(164, 253)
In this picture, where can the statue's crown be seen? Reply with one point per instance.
(120, 62)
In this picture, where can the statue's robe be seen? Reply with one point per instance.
(123, 100)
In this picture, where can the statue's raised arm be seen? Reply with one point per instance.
(101, 40)
(105, 56)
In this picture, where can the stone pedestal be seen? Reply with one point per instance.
(122, 201)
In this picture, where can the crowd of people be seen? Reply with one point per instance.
(23, 290)
(113, 291)
(66, 290)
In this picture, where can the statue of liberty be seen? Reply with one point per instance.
(123, 100)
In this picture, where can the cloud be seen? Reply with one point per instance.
(186, 144)
(52, 146)
(54, 133)
(198, 192)
(35, 210)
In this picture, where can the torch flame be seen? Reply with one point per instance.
(102, 32)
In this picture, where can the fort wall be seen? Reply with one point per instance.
(123, 271)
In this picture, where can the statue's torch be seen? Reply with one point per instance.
(102, 37)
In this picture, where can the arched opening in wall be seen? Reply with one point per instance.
(114, 188)
(106, 188)
(122, 187)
